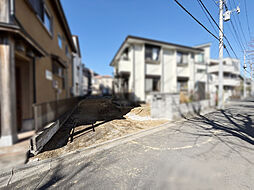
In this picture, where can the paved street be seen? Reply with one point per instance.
(214, 151)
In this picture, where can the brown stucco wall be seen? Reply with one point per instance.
(35, 28)
(26, 81)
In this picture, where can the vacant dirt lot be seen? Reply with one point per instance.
(95, 121)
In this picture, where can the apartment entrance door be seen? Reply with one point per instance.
(24, 92)
(18, 98)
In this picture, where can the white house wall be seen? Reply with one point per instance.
(77, 75)
(166, 69)
(192, 74)
(139, 77)
(153, 69)
(169, 71)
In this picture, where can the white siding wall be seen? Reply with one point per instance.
(77, 75)
(153, 69)
(131, 79)
(169, 78)
(139, 77)
(192, 74)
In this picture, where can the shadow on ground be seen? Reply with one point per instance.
(232, 126)
(92, 113)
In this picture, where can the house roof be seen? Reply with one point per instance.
(103, 76)
(147, 40)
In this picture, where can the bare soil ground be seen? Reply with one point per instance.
(96, 121)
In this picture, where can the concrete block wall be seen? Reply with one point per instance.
(167, 106)
(45, 113)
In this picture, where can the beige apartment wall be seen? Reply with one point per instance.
(26, 81)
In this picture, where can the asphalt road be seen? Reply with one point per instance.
(214, 151)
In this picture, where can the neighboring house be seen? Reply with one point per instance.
(35, 56)
(102, 85)
(231, 76)
(77, 69)
(143, 66)
(86, 81)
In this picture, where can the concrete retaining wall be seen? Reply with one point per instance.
(41, 138)
(167, 106)
(48, 112)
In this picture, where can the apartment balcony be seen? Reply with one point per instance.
(226, 68)
(124, 66)
(183, 71)
(227, 82)
(153, 69)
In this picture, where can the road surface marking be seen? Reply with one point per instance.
(174, 148)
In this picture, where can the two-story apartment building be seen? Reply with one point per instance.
(231, 76)
(35, 58)
(77, 69)
(142, 66)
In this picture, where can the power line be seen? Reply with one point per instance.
(197, 20)
(239, 21)
(235, 37)
(215, 3)
(204, 27)
(235, 20)
(247, 18)
(207, 17)
(217, 26)
(235, 32)
(242, 46)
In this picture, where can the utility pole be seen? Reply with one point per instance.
(244, 66)
(220, 93)
(252, 83)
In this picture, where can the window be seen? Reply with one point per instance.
(235, 64)
(200, 58)
(43, 13)
(57, 69)
(152, 53)
(47, 21)
(38, 7)
(126, 54)
(182, 85)
(182, 58)
(67, 51)
(152, 84)
(59, 40)
(201, 71)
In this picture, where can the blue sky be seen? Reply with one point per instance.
(102, 25)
